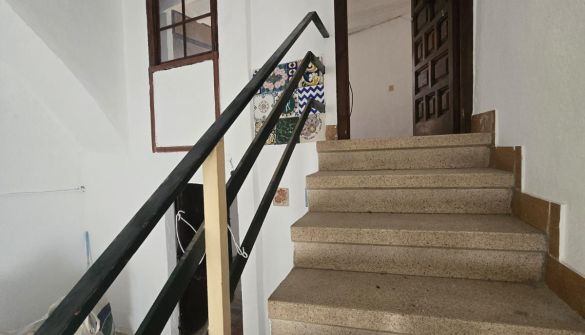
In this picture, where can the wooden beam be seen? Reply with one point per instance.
(216, 242)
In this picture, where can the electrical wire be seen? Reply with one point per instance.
(79, 188)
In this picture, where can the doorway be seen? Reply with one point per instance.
(187, 218)
(409, 66)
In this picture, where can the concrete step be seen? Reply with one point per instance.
(462, 231)
(413, 152)
(283, 327)
(436, 158)
(454, 246)
(412, 200)
(408, 142)
(513, 266)
(420, 305)
(429, 178)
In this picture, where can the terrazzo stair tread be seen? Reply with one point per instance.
(402, 159)
(283, 327)
(417, 200)
(503, 265)
(428, 178)
(420, 305)
(406, 142)
(489, 232)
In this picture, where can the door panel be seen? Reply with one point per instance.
(436, 67)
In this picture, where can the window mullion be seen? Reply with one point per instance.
(184, 29)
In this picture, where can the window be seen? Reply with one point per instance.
(182, 30)
(180, 33)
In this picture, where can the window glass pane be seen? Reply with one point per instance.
(199, 37)
(194, 8)
(169, 11)
(171, 44)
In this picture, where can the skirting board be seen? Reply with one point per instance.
(542, 214)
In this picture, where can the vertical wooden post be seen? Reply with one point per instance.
(216, 242)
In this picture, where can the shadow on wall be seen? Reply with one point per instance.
(121, 303)
(29, 290)
(27, 294)
(64, 25)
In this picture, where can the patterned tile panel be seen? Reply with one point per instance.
(311, 86)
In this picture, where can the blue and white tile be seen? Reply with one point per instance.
(304, 94)
(312, 77)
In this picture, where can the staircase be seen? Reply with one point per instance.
(413, 235)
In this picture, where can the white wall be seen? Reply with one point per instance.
(52, 83)
(184, 102)
(132, 176)
(244, 44)
(109, 150)
(42, 234)
(271, 22)
(379, 57)
(87, 37)
(47, 120)
(119, 182)
(529, 67)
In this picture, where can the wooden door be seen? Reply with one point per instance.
(435, 31)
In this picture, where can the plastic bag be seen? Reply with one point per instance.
(98, 322)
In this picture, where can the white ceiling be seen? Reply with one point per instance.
(363, 14)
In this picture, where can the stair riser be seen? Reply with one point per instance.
(397, 322)
(435, 158)
(283, 327)
(513, 266)
(471, 201)
(408, 142)
(411, 181)
(438, 239)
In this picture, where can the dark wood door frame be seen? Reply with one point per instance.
(342, 69)
(465, 29)
(466, 63)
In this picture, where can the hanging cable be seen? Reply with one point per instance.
(239, 249)
(179, 218)
(351, 91)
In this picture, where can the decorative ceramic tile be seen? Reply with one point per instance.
(290, 108)
(271, 138)
(284, 72)
(262, 105)
(331, 133)
(304, 94)
(281, 197)
(277, 80)
(314, 129)
(310, 87)
(285, 128)
(291, 68)
(312, 77)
